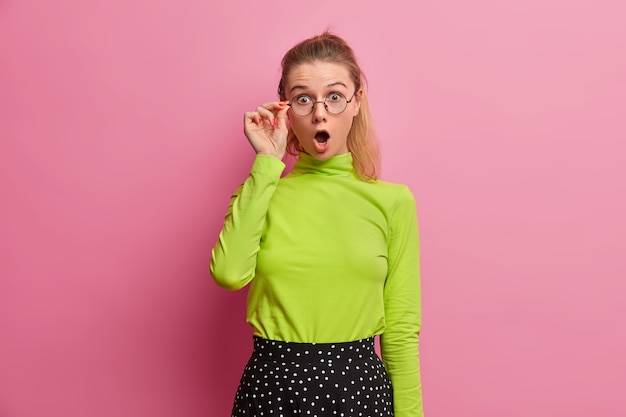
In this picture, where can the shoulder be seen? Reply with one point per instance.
(395, 193)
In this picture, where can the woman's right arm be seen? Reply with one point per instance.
(233, 259)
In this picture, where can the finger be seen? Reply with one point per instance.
(266, 114)
(273, 106)
(252, 117)
(281, 117)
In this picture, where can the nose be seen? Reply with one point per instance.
(319, 111)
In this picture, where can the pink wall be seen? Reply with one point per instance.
(121, 141)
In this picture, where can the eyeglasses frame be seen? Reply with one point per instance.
(313, 103)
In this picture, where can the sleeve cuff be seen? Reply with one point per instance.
(265, 164)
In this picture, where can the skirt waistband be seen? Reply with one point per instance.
(276, 350)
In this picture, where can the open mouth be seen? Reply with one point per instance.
(321, 140)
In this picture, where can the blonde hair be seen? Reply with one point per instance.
(362, 141)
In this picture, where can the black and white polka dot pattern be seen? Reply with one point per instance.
(286, 379)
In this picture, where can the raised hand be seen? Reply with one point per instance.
(266, 128)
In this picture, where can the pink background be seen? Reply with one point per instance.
(121, 141)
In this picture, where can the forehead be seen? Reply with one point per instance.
(318, 76)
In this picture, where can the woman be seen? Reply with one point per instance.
(330, 252)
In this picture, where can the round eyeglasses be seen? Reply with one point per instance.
(334, 103)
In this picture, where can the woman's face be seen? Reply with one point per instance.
(322, 134)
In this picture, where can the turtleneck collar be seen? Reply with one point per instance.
(339, 165)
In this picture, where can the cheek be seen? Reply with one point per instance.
(295, 124)
(347, 123)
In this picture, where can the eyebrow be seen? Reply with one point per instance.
(303, 87)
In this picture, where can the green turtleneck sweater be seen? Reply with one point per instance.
(329, 258)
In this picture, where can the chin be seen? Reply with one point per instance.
(322, 156)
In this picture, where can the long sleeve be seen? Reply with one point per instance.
(400, 340)
(233, 260)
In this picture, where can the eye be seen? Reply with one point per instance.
(303, 100)
(333, 97)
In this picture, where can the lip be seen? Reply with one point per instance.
(321, 141)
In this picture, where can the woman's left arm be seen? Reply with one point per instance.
(403, 318)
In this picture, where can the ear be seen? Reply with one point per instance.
(357, 102)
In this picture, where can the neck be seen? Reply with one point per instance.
(338, 165)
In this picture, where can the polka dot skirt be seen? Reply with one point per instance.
(286, 379)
